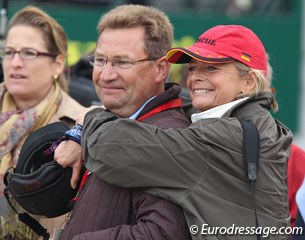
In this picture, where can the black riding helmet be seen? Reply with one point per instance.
(38, 183)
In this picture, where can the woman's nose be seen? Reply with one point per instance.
(16, 60)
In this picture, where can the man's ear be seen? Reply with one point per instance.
(163, 67)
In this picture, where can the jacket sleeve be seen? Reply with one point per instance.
(130, 154)
(152, 221)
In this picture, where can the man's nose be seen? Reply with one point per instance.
(108, 73)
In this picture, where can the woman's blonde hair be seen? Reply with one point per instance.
(261, 81)
(53, 33)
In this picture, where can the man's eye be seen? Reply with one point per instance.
(100, 60)
(122, 62)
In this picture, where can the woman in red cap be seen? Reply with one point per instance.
(202, 168)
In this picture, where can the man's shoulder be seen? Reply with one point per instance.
(171, 118)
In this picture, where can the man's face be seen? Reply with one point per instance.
(123, 91)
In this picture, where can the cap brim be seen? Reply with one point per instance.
(184, 55)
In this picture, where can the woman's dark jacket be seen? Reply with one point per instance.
(200, 168)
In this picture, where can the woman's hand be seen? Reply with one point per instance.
(69, 154)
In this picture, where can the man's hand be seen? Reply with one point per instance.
(69, 154)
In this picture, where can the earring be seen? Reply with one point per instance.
(55, 77)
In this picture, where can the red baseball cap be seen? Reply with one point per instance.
(223, 44)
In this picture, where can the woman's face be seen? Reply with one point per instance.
(211, 85)
(28, 80)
